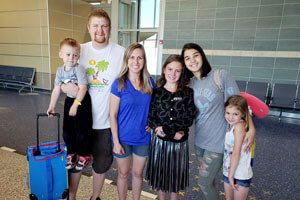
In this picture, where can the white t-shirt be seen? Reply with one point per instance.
(102, 68)
(243, 170)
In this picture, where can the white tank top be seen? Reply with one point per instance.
(243, 170)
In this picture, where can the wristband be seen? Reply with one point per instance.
(77, 102)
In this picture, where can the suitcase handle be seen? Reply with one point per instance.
(57, 115)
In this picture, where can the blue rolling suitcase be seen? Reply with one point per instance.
(47, 168)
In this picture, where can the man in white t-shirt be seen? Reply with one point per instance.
(103, 62)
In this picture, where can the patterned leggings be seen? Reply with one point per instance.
(209, 165)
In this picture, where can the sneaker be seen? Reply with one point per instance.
(71, 161)
(83, 161)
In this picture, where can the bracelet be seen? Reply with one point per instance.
(77, 102)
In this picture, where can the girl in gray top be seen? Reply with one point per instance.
(210, 129)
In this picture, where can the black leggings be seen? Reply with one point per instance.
(77, 130)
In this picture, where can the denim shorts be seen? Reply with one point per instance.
(139, 150)
(243, 183)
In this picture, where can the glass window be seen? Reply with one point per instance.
(157, 11)
(149, 11)
(125, 38)
(138, 22)
(149, 41)
(128, 15)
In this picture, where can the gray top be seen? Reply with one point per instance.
(209, 99)
(75, 75)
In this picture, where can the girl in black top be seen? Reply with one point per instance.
(172, 111)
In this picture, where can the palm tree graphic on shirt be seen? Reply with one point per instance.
(94, 70)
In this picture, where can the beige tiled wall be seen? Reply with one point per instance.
(20, 5)
(24, 34)
(28, 40)
(67, 18)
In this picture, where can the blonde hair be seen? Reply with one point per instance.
(241, 104)
(70, 42)
(145, 82)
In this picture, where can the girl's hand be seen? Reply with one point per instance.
(250, 136)
(231, 182)
(250, 111)
(159, 131)
(118, 149)
(178, 135)
(147, 128)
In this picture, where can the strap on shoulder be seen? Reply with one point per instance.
(217, 79)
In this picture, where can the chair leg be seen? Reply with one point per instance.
(21, 89)
(280, 115)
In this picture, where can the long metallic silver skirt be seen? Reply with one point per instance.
(168, 165)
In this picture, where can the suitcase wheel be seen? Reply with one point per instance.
(33, 197)
(65, 194)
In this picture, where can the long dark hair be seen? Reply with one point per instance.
(182, 82)
(205, 69)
